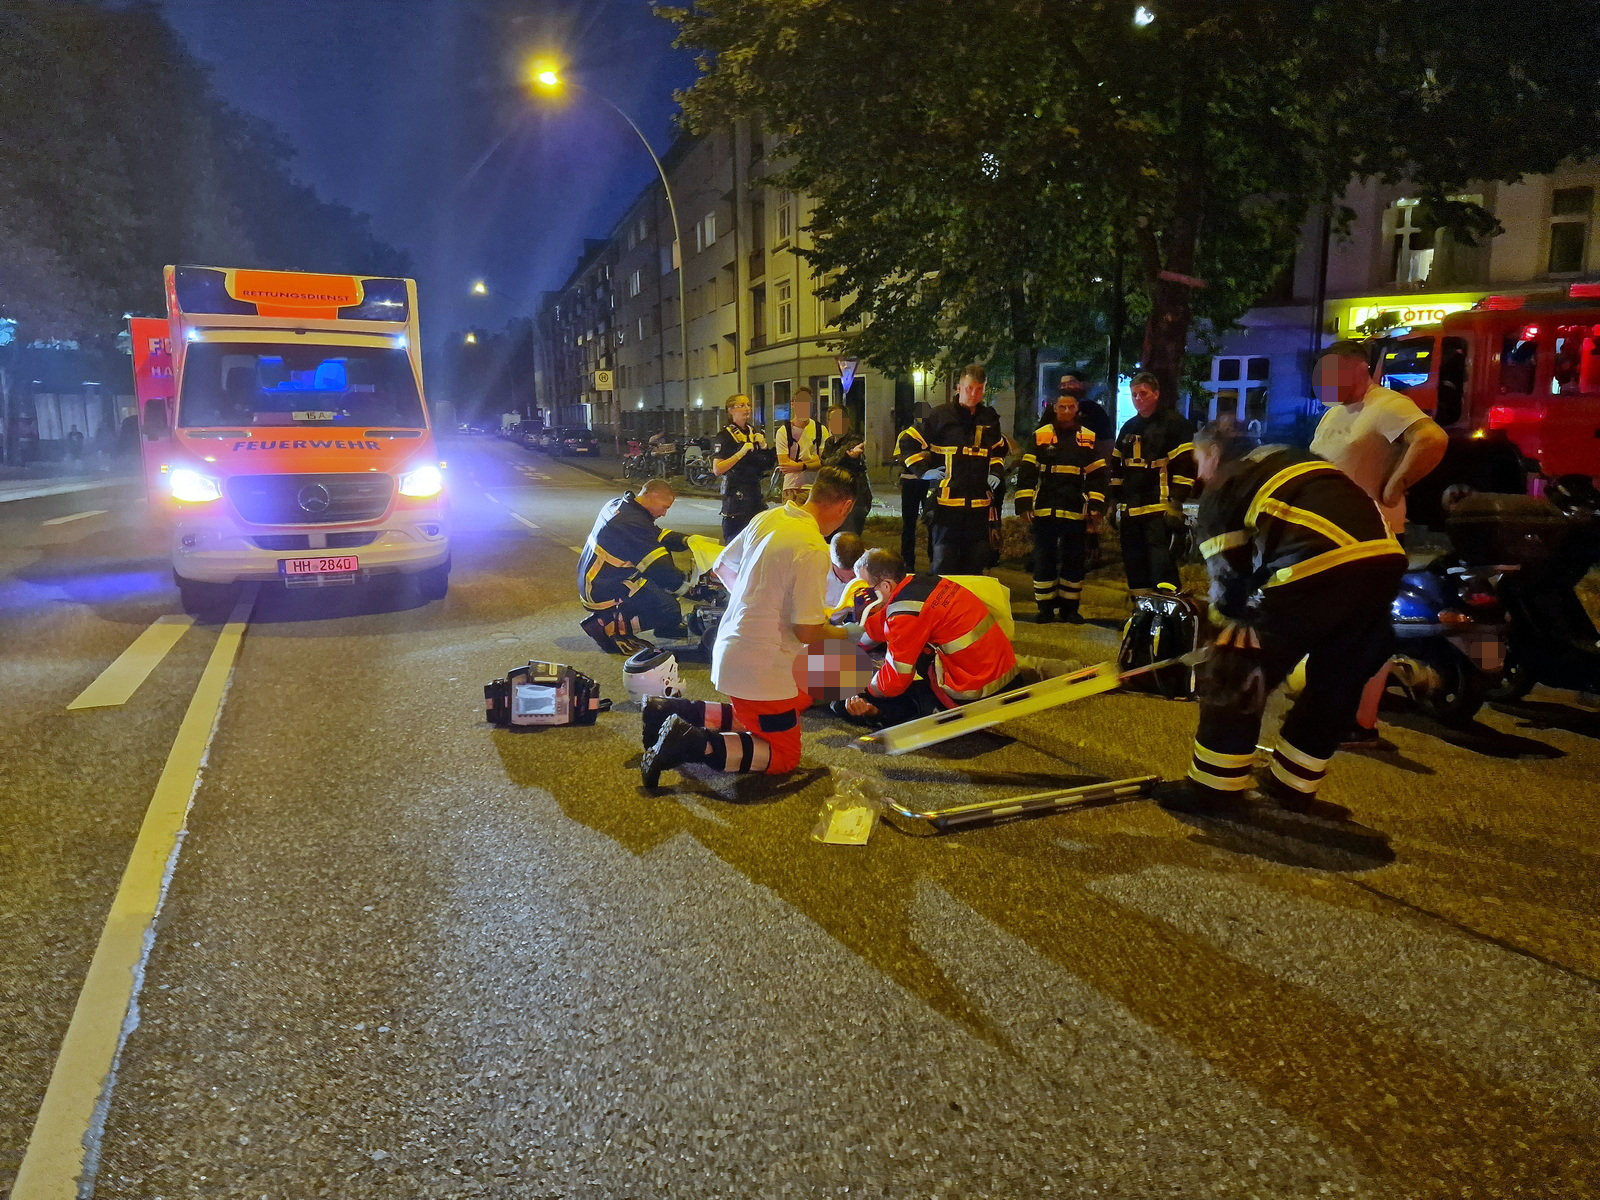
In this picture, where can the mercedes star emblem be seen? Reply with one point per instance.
(314, 499)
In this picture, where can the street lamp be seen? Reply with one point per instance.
(549, 79)
(480, 288)
(471, 339)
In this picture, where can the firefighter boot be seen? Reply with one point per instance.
(595, 626)
(1047, 612)
(679, 742)
(1067, 610)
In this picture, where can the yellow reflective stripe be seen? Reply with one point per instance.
(968, 638)
(1221, 783)
(1293, 471)
(1066, 470)
(1097, 496)
(658, 552)
(901, 608)
(1315, 522)
(1097, 465)
(1299, 757)
(1289, 779)
(1026, 494)
(1144, 510)
(1060, 514)
(899, 668)
(1183, 479)
(1216, 758)
(1223, 542)
(1377, 548)
(1186, 447)
(1028, 458)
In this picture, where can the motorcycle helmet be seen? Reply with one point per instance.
(651, 672)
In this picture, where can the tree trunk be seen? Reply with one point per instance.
(1024, 365)
(1166, 332)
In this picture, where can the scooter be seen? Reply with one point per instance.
(1553, 641)
(1451, 630)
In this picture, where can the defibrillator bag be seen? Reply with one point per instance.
(1163, 625)
(543, 693)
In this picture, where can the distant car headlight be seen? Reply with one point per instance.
(192, 487)
(426, 480)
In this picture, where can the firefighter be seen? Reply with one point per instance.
(626, 577)
(1152, 474)
(962, 456)
(933, 627)
(1302, 566)
(909, 449)
(742, 460)
(1061, 492)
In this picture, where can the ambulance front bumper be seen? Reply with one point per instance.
(210, 549)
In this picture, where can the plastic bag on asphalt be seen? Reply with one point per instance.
(849, 814)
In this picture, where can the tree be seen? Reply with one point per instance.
(975, 163)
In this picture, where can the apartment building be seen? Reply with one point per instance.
(575, 330)
(1394, 270)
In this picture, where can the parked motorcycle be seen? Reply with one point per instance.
(1552, 639)
(698, 457)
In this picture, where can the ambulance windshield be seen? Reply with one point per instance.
(252, 383)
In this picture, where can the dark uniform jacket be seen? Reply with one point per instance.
(970, 448)
(1152, 464)
(625, 548)
(741, 486)
(836, 453)
(1062, 476)
(907, 446)
(1278, 516)
(972, 656)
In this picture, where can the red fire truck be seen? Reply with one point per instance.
(1519, 369)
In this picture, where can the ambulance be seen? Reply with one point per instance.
(298, 449)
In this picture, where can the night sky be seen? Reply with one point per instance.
(391, 103)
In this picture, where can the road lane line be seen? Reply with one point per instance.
(578, 550)
(516, 516)
(65, 1137)
(93, 512)
(123, 677)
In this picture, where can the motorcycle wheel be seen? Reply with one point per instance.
(699, 475)
(1460, 694)
(1516, 681)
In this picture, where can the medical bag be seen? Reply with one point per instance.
(1163, 625)
(543, 693)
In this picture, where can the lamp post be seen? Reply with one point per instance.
(549, 79)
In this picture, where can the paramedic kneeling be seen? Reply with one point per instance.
(1302, 566)
(776, 574)
(933, 625)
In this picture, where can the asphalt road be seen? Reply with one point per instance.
(403, 955)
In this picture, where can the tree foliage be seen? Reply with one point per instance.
(976, 164)
(117, 157)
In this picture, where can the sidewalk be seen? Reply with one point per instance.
(49, 479)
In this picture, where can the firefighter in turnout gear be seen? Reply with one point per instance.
(1302, 567)
(1061, 491)
(626, 576)
(911, 450)
(963, 457)
(1152, 474)
(933, 627)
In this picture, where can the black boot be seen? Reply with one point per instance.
(658, 708)
(1196, 799)
(679, 742)
(1067, 610)
(1047, 612)
(595, 626)
(1302, 803)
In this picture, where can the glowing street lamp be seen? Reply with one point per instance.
(471, 339)
(549, 79)
(480, 288)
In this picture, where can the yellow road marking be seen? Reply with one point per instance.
(93, 512)
(123, 677)
(68, 1117)
(578, 550)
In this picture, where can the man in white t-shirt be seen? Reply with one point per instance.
(799, 442)
(1385, 443)
(776, 574)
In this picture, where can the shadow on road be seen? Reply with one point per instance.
(1477, 737)
(1541, 714)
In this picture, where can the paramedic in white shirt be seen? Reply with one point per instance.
(1386, 444)
(776, 573)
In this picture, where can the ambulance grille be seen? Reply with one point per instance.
(310, 499)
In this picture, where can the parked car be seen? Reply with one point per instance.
(571, 442)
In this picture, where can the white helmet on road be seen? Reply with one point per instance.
(651, 673)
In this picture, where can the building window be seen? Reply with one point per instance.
(784, 296)
(1410, 243)
(783, 218)
(641, 329)
(780, 400)
(705, 232)
(1570, 209)
(635, 283)
(1238, 387)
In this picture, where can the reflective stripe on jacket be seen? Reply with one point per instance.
(1062, 476)
(969, 447)
(1152, 463)
(624, 549)
(971, 655)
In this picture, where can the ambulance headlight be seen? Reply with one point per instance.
(192, 487)
(423, 481)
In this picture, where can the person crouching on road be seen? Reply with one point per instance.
(1302, 566)
(1152, 473)
(934, 626)
(776, 573)
(742, 460)
(1061, 492)
(626, 576)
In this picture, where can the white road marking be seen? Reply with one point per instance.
(72, 1114)
(516, 516)
(132, 667)
(93, 512)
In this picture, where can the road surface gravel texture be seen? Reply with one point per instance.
(406, 955)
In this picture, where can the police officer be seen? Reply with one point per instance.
(1061, 491)
(742, 459)
(962, 457)
(908, 447)
(1152, 474)
(626, 576)
(1302, 566)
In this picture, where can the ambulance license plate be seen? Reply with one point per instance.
(340, 564)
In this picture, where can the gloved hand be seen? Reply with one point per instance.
(994, 483)
(935, 475)
(1232, 676)
(856, 630)
(758, 440)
